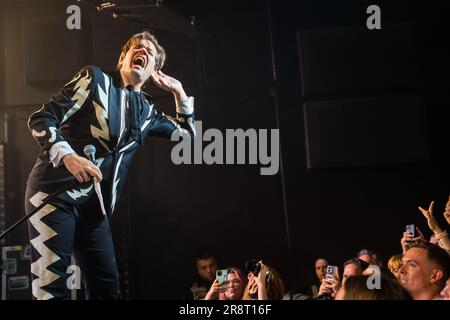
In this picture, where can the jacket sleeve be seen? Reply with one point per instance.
(183, 124)
(45, 123)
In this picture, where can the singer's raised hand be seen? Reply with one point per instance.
(81, 168)
(169, 84)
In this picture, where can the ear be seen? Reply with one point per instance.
(436, 275)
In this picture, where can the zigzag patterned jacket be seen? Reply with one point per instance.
(88, 111)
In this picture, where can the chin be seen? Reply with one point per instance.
(136, 73)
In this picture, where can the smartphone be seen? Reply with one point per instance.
(410, 228)
(222, 277)
(331, 272)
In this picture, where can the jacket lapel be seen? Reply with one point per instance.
(114, 108)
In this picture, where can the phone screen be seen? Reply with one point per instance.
(222, 277)
(331, 272)
(410, 228)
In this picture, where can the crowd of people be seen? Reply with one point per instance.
(420, 272)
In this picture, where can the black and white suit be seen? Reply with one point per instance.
(93, 108)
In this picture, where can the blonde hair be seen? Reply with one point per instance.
(144, 35)
(395, 262)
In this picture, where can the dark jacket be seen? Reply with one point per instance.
(88, 111)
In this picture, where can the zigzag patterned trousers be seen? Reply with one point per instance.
(60, 230)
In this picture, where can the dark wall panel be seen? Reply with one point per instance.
(366, 131)
(41, 54)
(53, 53)
(355, 59)
(337, 211)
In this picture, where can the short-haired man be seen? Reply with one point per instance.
(425, 270)
(110, 111)
(206, 265)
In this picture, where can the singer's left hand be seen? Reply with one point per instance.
(170, 84)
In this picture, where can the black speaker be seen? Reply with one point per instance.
(16, 280)
(53, 53)
(366, 131)
(355, 59)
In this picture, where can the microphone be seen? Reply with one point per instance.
(89, 151)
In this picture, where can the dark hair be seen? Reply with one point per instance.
(390, 289)
(437, 255)
(358, 262)
(204, 256)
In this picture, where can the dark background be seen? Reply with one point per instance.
(370, 106)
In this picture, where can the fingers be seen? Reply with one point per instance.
(95, 172)
(424, 212)
(159, 81)
(429, 212)
(263, 267)
(420, 233)
(447, 207)
(154, 75)
(85, 174)
(253, 288)
(82, 169)
(86, 177)
(156, 80)
(328, 282)
(430, 208)
(78, 177)
(407, 235)
(161, 74)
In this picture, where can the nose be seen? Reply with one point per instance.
(402, 270)
(141, 51)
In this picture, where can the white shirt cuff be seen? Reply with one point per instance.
(186, 106)
(58, 151)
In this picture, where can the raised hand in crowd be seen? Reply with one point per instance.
(213, 293)
(256, 287)
(447, 211)
(330, 286)
(440, 235)
(408, 237)
(261, 282)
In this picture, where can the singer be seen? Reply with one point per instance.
(110, 111)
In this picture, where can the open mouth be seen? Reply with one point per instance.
(139, 62)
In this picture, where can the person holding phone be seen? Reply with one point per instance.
(331, 284)
(228, 285)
